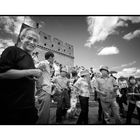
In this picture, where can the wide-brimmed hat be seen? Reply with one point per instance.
(104, 68)
(84, 72)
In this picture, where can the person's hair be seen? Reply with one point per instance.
(74, 73)
(68, 75)
(26, 30)
(131, 77)
(48, 55)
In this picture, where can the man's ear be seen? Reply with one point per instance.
(22, 37)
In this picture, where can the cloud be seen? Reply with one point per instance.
(101, 27)
(133, 19)
(4, 43)
(108, 51)
(124, 65)
(126, 72)
(12, 24)
(1, 50)
(132, 35)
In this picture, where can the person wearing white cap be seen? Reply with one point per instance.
(83, 88)
(106, 88)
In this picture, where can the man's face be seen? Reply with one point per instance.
(88, 77)
(51, 60)
(30, 41)
(104, 72)
(132, 81)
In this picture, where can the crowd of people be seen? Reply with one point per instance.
(29, 86)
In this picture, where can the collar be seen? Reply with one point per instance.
(47, 61)
(105, 77)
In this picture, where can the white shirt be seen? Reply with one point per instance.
(83, 87)
(45, 79)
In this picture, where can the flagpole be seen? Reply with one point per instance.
(20, 30)
(24, 19)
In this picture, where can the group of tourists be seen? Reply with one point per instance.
(28, 87)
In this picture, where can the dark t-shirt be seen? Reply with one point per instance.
(134, 89)
(16, 93)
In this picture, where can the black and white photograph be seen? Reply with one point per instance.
(70, 70)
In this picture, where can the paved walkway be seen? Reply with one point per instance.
(93, 116)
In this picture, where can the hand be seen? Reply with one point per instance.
(35, 78)
(42, 67)
(36, 73)
(103, 93)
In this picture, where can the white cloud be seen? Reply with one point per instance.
(132, 35)
(12, 24)
(108, 51)
(130, 70)
(1, 50)
(124, 65)
(133, 19)
(5, 43)
(126, 72)
(101, 27)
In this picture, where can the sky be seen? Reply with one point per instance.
(97, 40)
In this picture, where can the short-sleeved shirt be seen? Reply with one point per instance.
(106, 85)
(45, 79)
(83, 86)
(61, 82)
(16, 93)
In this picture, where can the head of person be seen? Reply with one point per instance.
(63, 72)
(97, 74)
(132, 80)
(49, 56)
(29, 39)
(104, 71)
(85, 74)
(74, 73)
(68, 75)
(91, 69)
